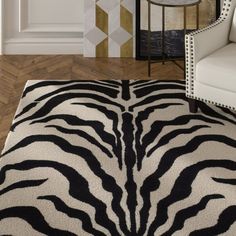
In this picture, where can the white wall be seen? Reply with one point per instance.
(43, 26)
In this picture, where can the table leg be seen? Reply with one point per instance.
(163, 35)
(185, 32)
(149, 38)
(185, 20)
(197, 18)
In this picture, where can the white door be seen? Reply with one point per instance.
(43, 26)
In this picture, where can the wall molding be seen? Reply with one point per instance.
(41, 33)
(26, 26)
(43, 46)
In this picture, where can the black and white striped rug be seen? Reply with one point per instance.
(117, 158)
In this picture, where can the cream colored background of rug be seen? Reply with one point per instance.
(109, 28)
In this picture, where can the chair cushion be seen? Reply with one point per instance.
(219, 69)
(232, 36)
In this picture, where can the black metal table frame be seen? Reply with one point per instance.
(164, 56)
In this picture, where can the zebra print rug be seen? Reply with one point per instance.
(117, 158)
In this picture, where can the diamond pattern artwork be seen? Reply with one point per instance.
(108, 5)
(109, 28)
(96, 36)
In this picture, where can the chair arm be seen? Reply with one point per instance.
(209, 39)
(203, 42)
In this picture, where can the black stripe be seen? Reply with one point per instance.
(152, 182)
(212, 113)
(158, 126)
(84, 135)
(78, 188)
(104, 82)
(113, 116)
(140, 83)
(125, 90)
(57, 100)
(171, 155)
(141, 92)
(41, 84)
(226, 219)
(227, 111)
(178, 193)
(74, 213)
(35, 218)
(189, 212)
(109, 183)
(142, 116)
(225, 181)
(97, 126)
(154, 98)
(153, 82)
(26, 109)
(88, 87)
(130, 161)
(173, 135)
(23, 184)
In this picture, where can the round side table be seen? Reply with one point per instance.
(164, 4)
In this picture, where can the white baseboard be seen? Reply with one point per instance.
(43, 46)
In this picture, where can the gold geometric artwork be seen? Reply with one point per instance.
(109, 28)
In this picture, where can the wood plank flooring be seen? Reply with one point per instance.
(16, 70)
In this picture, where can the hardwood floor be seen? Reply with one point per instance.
(16, 70)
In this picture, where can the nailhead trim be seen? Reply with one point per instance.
(214, 103)
(190, 56)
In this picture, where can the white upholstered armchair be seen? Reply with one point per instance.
(211, 61)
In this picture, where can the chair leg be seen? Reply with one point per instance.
(193, 105)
